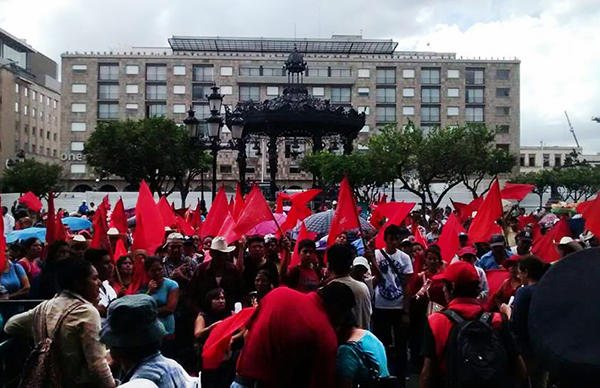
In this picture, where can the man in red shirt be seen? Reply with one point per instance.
(461, 285)
(291, 340)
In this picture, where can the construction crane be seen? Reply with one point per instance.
(572, 130)
(596, 119)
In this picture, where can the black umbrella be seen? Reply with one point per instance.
(564, 317)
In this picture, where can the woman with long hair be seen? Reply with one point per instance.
(123, 275)
(45, 286)
(31, 262)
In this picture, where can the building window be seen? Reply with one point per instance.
(108, 91)
(202, 112)
(557, 160)
(318, 91)
(26, 92)
(77, 146)
(17, 88)
(474, 114)
(225, 169)
(47, 101)
(155, 110)
(178, 89)
(408, 73)
(25, 110)
(386, 76)
(54, 136)
(430, 114)
(341, 94)
(26, 129)
(502, 111)
(78, 168)
(474, 76)
(522, 160)
(16, 107)
(33, 131)
(156, 72)
(42, 132)
(33, 113)
(408, 110)
(365, 129)
(272, 90)
(502, 92)
(131, 107)
(249, 93)
(179, 70)
(33, 95)
(504, 147)
(253, 71)
(250, 170)
(79, 68)
(317, 72)
(295, 170)
(78, 108)
(156, 92)
(270, 71)
(54, 104)
(531, 160)
(386, 114)
(363, 92)
(364, 73)
(364, 109)
(453, 74)
(178, 108)
(77, 126)
(386, 95)
(452, 111)
(55, 153)
(108, 111)
(546, 160)
(227, 90)
(430, 76)
(41, 96)
(502, 74)
(41, 114)
(108, 72)
(226, 71)
(430, 95)
(408, 92)
(132, 69)
(341, 72)
(474, 96)
(502, 128)
(131, 89)
(204, 74)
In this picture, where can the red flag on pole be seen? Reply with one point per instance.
(402, 209)
(197, 219)
(148, 219)
(3, 259)
(184, 227)
(219, 338)
(544, 246)
(100, 237)
(257, 210)
(227, 231)
(59, 230)
(118, 219)
(484, 224)
(166, 212)
(516, 191)
(50, 221)
(216, 215)
(448, 241)
(239, 202)
(299, 211)
(590, 210)
(345, 216)
(120, 250)
(526, 220)
(279, 205)
(31, 201)
(302, 235)
(419, 236)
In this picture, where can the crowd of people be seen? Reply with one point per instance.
(339, 316)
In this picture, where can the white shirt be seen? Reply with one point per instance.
(484, 289)
(107, 294)
(389, 293)
(9, 223)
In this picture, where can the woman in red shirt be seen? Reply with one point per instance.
(509, 287)
(29, 263)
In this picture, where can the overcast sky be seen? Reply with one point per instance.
(558, 42)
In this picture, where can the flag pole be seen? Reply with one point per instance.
(360, 229)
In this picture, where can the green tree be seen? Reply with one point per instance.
(31, 175)
(156, 150)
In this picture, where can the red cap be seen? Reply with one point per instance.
(466, 251)
(459, 272)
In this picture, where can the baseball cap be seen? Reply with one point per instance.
(497, 240)
(459, 272)
(467, 251)
(361, 261)
(525, 235)
(175, 238)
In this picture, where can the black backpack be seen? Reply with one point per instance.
(475, 354)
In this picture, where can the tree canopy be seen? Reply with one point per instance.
(31, 175)
(156, 150)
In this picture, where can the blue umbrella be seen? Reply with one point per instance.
(24, 234)
(76, 223)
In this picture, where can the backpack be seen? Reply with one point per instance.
(42, 369)
(475, 354)
(375, 381)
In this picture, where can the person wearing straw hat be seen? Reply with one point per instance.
(79, 244)
(214, 273)
(133, 334)
(567, 245)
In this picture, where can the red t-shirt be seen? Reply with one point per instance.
(31, 269)
(290, 342)
(303, 279)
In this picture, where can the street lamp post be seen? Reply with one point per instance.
(212, 140)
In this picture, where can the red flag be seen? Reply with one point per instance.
(377, 215)
(299, 211)
(120, 250)
(302, 235)
(100, 238)
(218, 340)
(216, 215)
(345, 216)
(3, 259)
(590, 210)
(118, 219)
(197, 219)
(448, 241)
(140, 277)
(184, 227)
(32, 201)
(279, 207)
(149, 219)
(419, 236)
(139, 235)
(402, 209)
(526, 220)
(227, 231)
(495, 278)
(166, 212)
(256, 210)
(516, 191)
(544, 246)
(462, 210)
(484, 224)
(59, 230)
(239, 202)
(50, 221)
